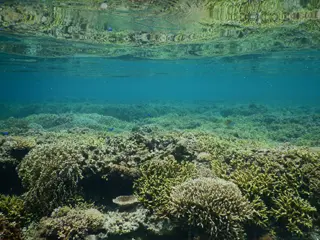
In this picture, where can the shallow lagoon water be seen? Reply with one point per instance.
(105, 133)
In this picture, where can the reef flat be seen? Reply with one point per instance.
(297, 125)
(159, 171)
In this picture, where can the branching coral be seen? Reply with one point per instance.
(12, 217)
(119, 223)
(68, 224)
(157, 179)
(51, 172)
(15, 148)
(266, 177)
(9, 230)
(293, 212)
(13, 208)
(211, 204)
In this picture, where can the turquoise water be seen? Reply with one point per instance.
(284, 77)
(153, 120)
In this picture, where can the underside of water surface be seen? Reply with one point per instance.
(169, 29)
(160, 120)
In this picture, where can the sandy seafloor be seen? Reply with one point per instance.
(63, 165)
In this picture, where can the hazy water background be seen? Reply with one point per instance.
(289, 78)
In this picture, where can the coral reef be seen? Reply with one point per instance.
(157, 179)
(214, 205)
(235, 183)
(68, 223)
(9, 230)
(13, 217)
(121, 223)
(51, 172)
(280, 183)
(296, 125)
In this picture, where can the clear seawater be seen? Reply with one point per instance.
(268, 78)
(55, 85)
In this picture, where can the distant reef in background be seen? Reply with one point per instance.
(297, 125)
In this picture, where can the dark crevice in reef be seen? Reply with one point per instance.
(19, 154)
(10, 181)
(102, 191)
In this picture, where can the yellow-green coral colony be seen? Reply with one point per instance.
(213, 186)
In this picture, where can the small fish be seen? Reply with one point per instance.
(229, 123)
(109, 29)
(4, 133)
(149, 115)
(110, 129)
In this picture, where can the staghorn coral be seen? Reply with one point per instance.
(52, 171)
(13, 208)
(15, 125)
(13, 217)
(294, 212)
(157, 179)
(15, 148)
(213, 205)
(5, 149)
(9, 230)
(266, 177)
(120, 223)
(54, 167)
(23, 143)
(68, 224)
(128, 224)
